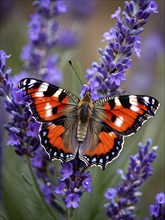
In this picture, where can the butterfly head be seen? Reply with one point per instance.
(87, 97)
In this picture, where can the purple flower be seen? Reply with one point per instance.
(160, 198)
(13, 139)
(110, 194)
(137, 48)
(154, 210)
(33, 128)
(117, 78)
(157, 210)
(122, 200)
(123, 41)
(47, 192)
(18, 96)
(66, 171)
(153, 7)
(86, 183)
(117, 14)
(72, 200)
(3, 58)
(61, 6)
(60, 188)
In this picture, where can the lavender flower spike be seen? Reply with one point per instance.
(37, 54)
(104, 79)
(73, 183)
(123, 198)
(16, 104)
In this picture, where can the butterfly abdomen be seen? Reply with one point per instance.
(81, 131)
(85, 107)
(83, 121)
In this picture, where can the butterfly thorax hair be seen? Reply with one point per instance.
(85, 107)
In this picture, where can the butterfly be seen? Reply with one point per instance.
(92, 131)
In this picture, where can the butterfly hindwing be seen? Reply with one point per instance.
(51, 138)
(108, 148)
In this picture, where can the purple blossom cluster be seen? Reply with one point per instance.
(123, 198)
(22, 129)
(73, 183)
(105, 78)
(38, 54)
(157, 210)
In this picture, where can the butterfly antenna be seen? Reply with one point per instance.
(70, 62)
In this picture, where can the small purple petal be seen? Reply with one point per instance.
(160, 198)
(66, 171)
(72, 200)
(154, 210)
(110, 194)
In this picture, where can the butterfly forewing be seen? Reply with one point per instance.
(126, 114)
(56, 108)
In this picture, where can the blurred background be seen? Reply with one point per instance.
(146, 76)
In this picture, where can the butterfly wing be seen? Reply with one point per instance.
(126, 114)
(112, 119)
(56, 110)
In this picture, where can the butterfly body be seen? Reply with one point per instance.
(85, 108)
(93, 131)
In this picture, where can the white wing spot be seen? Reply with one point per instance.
(48, 112)
(146, 99)
(39, 94)
(57, 93)
(43, 87)
(61, 154)
(134, 108)
(48, 106)
(44, 133)
(94, 159)
(133, 100)
(119, 121)
(32, 81)
(111, 134)
(45, 141)
(107, 157)
(117, 101)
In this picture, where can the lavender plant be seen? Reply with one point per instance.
(123, 198)
(106, 77)
(63, 190)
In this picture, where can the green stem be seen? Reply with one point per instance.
(68, 214)
(37, 188)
